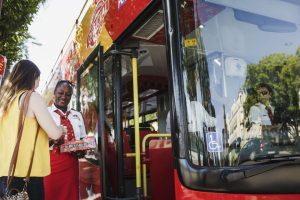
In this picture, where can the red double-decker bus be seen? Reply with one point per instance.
(188, 99)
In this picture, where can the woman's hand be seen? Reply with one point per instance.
(57, 142)
(60, 140)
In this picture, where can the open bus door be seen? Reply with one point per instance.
(125, 122)
(103, 114)
(110, 126)
(98, 97)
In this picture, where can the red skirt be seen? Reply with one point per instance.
(63, 182)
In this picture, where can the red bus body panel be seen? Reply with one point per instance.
(183, 193)
(119, 18)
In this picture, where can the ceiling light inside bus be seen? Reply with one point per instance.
(151, 27)
(144, 58)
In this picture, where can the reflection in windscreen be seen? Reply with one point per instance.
(89, 99)
(241, 79)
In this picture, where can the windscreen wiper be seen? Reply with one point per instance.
(271, 163)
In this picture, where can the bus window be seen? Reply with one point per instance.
(88, 99)
(89, 170)
(241, 79)
(153, 87)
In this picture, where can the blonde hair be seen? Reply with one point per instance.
(22, 78)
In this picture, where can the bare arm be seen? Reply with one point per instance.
(38, 106)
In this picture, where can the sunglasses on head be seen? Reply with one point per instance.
(264, 92)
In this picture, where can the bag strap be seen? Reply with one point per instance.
(22, 116)
(32, 156)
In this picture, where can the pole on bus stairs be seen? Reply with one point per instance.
(101, 127)
(136, 124)
(117, 78)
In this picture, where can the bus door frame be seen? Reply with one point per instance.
(133, 54)
(96, 57)
(116, 75)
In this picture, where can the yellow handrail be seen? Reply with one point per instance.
(136, 123)
(154, 135)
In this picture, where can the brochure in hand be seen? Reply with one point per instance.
(79, 145)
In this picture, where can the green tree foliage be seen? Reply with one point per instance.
(282, 73)
(15, 18)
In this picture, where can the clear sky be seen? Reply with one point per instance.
(50, 28)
